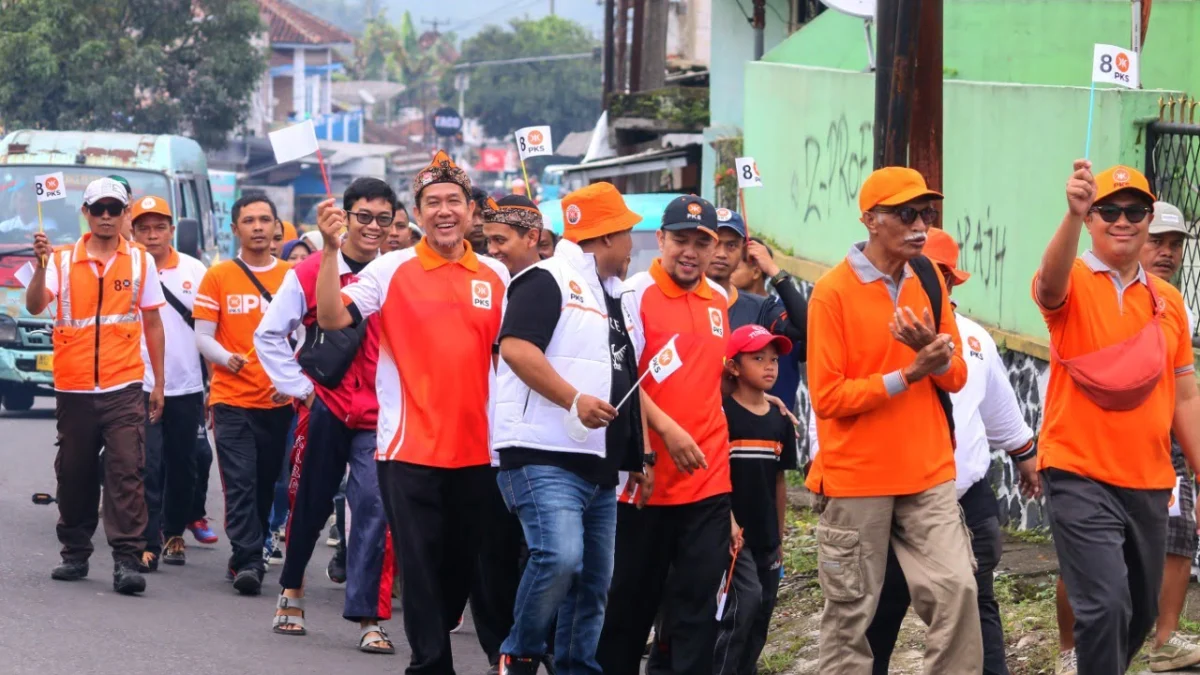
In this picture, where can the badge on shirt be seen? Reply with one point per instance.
(576, 291)
(481, 294)
(976, 347)
(716, 322)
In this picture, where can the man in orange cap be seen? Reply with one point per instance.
(440, 299)
(565, 351)
(885, 474)
(986, 416)
(1121, 380)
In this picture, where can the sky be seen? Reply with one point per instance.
(466, 17)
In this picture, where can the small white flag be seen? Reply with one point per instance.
(50, 187)
(665, 362)
(534, 141)
(25, 274)
(1173, 505)
(722, 596)
(295, 142)
(747, 172)
(1115, 65)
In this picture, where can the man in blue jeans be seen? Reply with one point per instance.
(566, 360)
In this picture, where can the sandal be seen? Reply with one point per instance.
(283, 622)
(370, 645)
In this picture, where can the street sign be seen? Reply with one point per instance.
(447, 122)
(747, 173)
(50, 187)
(534, 141)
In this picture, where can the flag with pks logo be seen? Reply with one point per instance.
(665, 362)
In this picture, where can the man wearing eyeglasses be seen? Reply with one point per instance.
(336, 426)
(1121, 381)
(885, 475)
(109, 295)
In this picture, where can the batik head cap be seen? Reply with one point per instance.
(513, 210)
(441, 170)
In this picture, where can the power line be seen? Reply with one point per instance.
(526, 59)
(494, 10)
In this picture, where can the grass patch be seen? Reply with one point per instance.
(1038, 535)
(1027, 610)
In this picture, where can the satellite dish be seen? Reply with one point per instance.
(863, 9)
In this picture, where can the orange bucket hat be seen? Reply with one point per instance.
(595, 211)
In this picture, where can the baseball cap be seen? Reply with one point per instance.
(752, 338)
(690, 212)
(1119, 178)
(122, 181)
(941, 249)
(893, 185)
(151, 205)
(105, 188)
(732, 220)
(595, 211)
(1166, 219)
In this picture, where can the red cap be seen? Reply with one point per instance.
(753, 338)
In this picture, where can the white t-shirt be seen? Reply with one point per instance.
(181, 362)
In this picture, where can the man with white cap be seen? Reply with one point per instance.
(109, 294)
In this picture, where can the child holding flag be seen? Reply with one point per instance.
(762, 446)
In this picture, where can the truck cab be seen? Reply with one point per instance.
(170, 167)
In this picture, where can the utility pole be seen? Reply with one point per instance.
(610, 8)
(925, 141)
(759, 21)
(635, 46)
(551, 7)
(897, 29)
(621, 81)
(435, 23)
(653, 64)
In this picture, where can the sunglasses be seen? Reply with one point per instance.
(908, 215)
(114, 209)
(1110, 213)
(365, 218)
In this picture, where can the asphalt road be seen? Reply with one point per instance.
(189, 621)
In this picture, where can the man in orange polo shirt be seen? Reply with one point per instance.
(879, 367)
(440, 308)
(1121, 380)
(687, 520)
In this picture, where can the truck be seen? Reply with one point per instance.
(170, 167)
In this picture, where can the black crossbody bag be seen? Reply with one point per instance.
(186, 313)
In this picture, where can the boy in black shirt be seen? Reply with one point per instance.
(762, 447)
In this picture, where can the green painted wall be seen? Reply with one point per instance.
(1024, 41)
(1008, 152)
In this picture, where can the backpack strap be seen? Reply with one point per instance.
(254, 279)
(927, 274)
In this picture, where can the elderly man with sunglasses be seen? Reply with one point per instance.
(1121, 380)
(885, 354)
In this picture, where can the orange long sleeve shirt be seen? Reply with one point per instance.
(878, 437)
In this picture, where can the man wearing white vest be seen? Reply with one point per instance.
(566, 354)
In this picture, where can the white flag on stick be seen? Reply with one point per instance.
(747, 173)
(534, 141)
(295, 142)
(1115, 65)
(665, 362)
(50, 187)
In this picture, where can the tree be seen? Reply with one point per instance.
(564, 94)
(146, 66)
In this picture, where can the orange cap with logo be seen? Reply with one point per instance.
(893, 185)
(151, 205)
(595, 211)
(1119, 178)
(941, 249)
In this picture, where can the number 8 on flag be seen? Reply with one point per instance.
(1115, 65)
(747, 172)
(49, 187)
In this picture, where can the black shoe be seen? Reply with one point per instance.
(248, 582)
(336, 571)
(175, 552)
(70, 570)
(127, 580)
(512, 665)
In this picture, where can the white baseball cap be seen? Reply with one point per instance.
(104, 188)
(1168, 218)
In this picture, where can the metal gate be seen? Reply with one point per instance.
(1173, 169)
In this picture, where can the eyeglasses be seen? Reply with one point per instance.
(908, 215)
(1110, 213)
(365, 218)
(98, 209)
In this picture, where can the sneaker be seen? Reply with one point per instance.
(202, 532)
(174, 552)
(127, 580)
(248, 582)
(229, 574)
(336, 570)
(1176, 654)
(334, 537)
(277, 546)
(148, 563)
(512, 665)
(1066, 663)
(459, 626)
(70, 570)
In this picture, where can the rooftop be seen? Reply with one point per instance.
(289, 24)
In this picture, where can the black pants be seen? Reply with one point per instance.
(170, 474)
(743, 628)
(983, 518)
(692, 543)
(204, 460)
(497, 575)
(437, 517)
(1111, 546)
(251, 444)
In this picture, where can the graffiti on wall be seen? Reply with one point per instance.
(983, 246)
(835, 165)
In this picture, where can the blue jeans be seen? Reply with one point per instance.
(571, 527)
(279, 506)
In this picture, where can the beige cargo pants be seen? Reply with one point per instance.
(933, 545)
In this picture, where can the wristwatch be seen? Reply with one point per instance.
(649, 458)
(781, 277)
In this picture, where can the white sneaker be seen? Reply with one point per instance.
(333, 539)
(1066, 663)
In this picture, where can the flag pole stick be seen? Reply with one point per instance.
(324, 173)
(526, 175)
(745, 218)
(41, 230)
(1087, 149)
(633, 389)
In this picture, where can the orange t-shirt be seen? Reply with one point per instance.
(228, 298)
(877, 437)
(1126, 448)
(658, 309)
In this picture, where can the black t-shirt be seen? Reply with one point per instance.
(761, 447)
(534, 307)
(354, 265)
